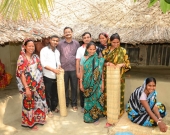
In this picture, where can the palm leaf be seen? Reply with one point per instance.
(24, 9)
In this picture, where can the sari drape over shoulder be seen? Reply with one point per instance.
(34, 109)
(137, 113)
(92, 81)
(116, 56)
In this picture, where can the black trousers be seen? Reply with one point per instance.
(70, 76)
(51, 93)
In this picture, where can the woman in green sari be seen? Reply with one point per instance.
(92, 84)
(116, 56)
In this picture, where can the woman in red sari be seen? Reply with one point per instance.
(31, 86)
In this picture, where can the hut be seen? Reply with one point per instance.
(145, 32)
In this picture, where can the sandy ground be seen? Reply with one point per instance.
(10, 107)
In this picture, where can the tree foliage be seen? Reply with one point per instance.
(164, 4)
(24, 9)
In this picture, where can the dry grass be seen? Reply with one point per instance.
(135, 22)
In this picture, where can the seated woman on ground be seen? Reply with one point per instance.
(143, 108)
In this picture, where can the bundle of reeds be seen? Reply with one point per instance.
(113, 94)
(61, 93)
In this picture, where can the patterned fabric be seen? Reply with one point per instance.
(92, 81)
(116, 56)
(5, 78)
(34, 109)
(137, 113)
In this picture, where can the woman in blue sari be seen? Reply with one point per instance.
(143, 108)
(92, 84)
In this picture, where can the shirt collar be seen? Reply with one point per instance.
(83, 46)
(67, 42)
(50, 47)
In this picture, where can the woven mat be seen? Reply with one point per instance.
(125, 125)
(113, 94)
(61, 93)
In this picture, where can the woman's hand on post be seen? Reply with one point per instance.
(162, 126)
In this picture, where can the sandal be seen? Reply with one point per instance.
(50, 114)
(35, 128)
(56, 110)
(75, 108)
(108, 125)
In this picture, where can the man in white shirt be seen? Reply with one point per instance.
(80, 53)
(50, 60)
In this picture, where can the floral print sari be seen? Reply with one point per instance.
(92, 81)
(34, 109)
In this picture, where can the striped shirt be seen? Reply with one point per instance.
(68, 54)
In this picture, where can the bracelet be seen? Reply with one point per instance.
(81, 80)
(158, 122)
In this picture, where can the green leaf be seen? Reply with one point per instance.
(152, 2)
(163, 6)
(24, 9)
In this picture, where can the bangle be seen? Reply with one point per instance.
(158, 122)
(26, 87)
(81, 80)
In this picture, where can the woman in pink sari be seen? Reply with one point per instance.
(31, 86)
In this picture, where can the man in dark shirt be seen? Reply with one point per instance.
(68, 48)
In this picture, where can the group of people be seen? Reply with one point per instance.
(84, 67)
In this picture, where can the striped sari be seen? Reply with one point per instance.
(136, 111)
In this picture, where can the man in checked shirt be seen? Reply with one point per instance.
(68, 48)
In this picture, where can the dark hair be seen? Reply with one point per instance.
(86, 33)
(104, 34)
(27, 41)
(68, 28)
(150, 79)
(90, 44)
(53, 36)
(115, 36)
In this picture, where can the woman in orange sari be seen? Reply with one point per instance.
(116, 56)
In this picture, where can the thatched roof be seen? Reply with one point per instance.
(135, 22)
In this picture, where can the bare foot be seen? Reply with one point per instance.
(34, 128)
(50, 114)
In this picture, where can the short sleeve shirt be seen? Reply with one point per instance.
(80, 52)
(143, 96)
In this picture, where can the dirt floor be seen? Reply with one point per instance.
(72, 124)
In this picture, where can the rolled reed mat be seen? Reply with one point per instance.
(125, 125)
(61, 93)
(113, 94)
